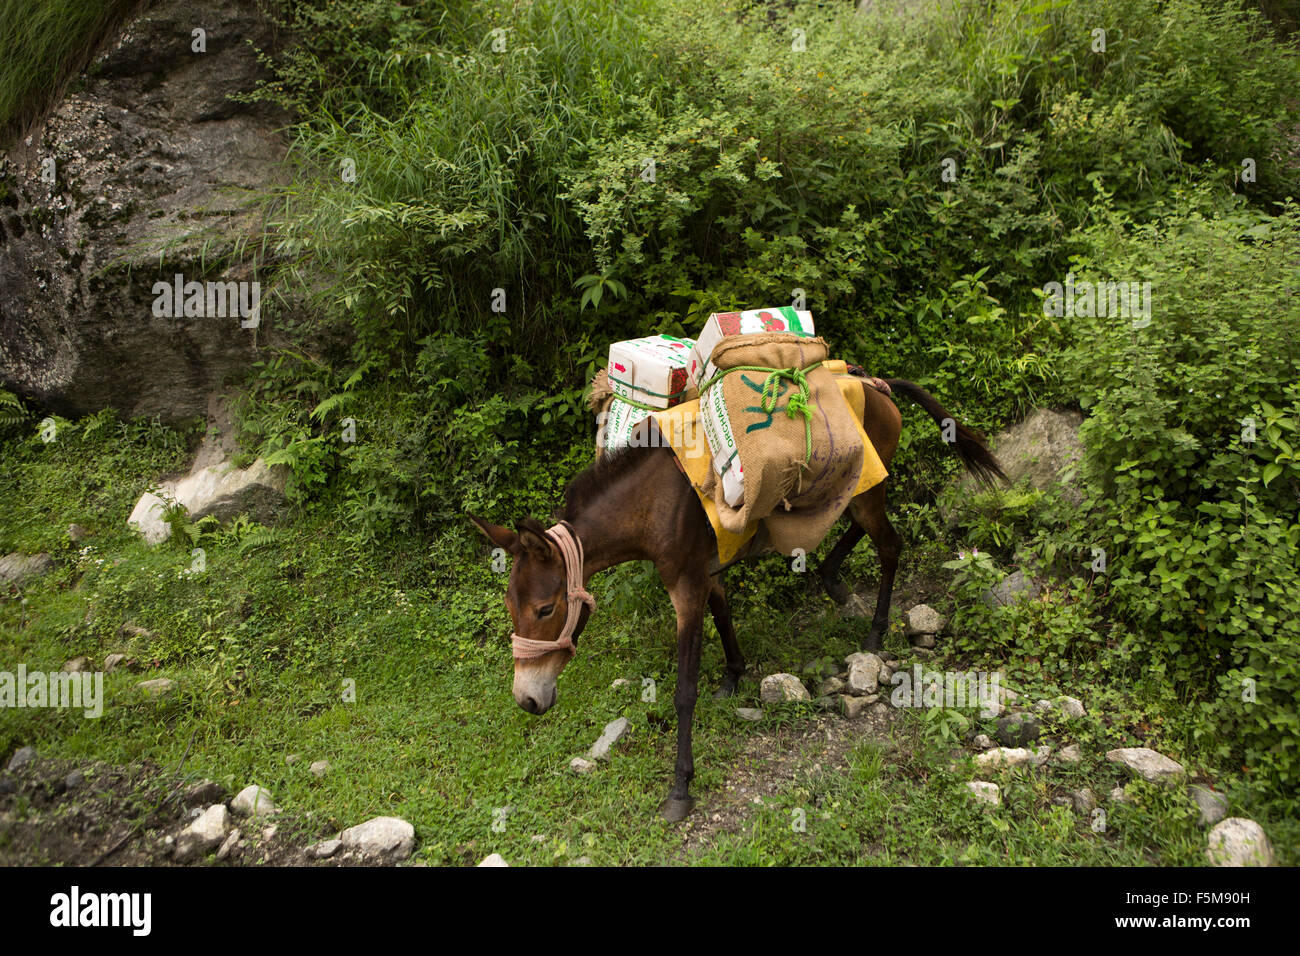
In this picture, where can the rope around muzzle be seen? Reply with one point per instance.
(562, 535)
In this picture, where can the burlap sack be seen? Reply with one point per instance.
(797, 501)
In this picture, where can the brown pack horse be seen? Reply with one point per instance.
(635, 504)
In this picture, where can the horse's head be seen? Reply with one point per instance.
(538, 600)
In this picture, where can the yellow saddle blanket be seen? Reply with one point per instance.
(680, 426)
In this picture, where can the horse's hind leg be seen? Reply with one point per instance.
(868, 510)
(829, 572)
(721, 611)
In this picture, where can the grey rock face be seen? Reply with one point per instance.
(151, 155)
(1213, 806)
(253, 801)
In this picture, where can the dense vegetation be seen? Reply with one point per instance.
(625, 167)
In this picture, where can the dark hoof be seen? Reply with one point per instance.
(728, 689)
(873, 644)
(674, 810)
(838, 590)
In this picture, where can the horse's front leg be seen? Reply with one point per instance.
(690, 595)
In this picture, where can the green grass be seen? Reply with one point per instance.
(44, 43)
(261, 646)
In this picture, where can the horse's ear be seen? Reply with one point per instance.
(501, 537)
(532, 538)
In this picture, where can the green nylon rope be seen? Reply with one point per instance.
(799, 403)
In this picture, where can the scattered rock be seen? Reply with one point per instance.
(17, 569)
(389, 839)
(1148, 764)
(853, 707)
(1041, 755)
(1042, 706)
(1018, 730)
(749, 713)
(113, 661)
(1069, 754)
(922, 619)
(1004, 757)
(133, 632)
(1071, 707)
(923, 642)
(986, 792)
(74, 780)
(1040, 448)
(253, 801)
(204, 793)
(864, 673)
(319, 768)
(203, 835)
(1238, 841)
(827, 703)
(21, 758)
(830, 687)
(1016, 586)
(1084, 800)
(614, 731)
(291, 759)
(77, 665)
(1212, 804)
(325, 849)
(1117, 795)
(855, 606)
(983, 742)
(581, 765)
(229, 844)
(76, 533)
(779, 687)
(158, 687)
(494, 859)
(620, 682)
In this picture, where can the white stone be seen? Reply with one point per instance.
(1004, 757)
(984, 742)
(581, 765)
(1238, 841)
(1070, 754)
(985, 792)
(922, 619)
(203, 835)
(614, 731)
(229, 844)
(390, 839)
(864, 673)
(1071, 707)
(319, 768)
(147, 519)
(779, 687)
(1147, 764)
(253, 801)
(494, 859)
(325, 849)
(749, 713)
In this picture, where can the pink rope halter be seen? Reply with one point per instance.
(571, 552)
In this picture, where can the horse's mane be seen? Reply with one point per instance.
(608, 468)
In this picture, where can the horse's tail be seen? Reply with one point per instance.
(967, 442)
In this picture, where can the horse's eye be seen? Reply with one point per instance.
(545, 611)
